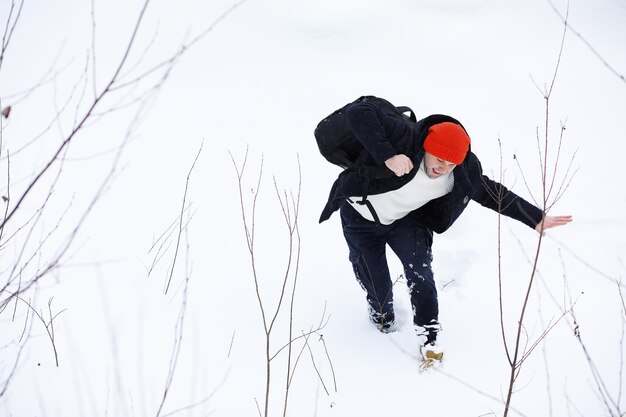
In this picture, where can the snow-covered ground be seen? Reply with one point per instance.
(258, 83)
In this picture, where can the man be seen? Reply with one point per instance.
(431, 175)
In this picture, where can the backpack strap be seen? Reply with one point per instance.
(406, 109)
(365, 202)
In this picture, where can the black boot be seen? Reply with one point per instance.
(384, 322)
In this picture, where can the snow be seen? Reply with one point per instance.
(258, 83)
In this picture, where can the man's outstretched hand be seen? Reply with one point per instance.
(399, 164)
(553, 221)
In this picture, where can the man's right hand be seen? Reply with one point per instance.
(400, 164)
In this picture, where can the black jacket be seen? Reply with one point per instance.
(384, 132)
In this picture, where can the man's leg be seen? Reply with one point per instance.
(366, 241)
(412, 244)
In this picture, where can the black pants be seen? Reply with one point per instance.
(412, 243)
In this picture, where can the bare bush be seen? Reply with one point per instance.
(289, 204)
(554, 182)
(43, 210)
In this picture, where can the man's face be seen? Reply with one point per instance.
(436, 167)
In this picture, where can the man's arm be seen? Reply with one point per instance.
(497, 197)
(365, 121)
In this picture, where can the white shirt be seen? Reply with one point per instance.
(394, 205)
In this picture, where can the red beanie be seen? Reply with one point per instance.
(447, 141)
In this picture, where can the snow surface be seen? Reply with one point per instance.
(260, 81)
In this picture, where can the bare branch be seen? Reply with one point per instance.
(249, 230)
(499, 198)
(48, 325)
(560, 54)
(319, 376)
(182, 210)
(9, 28)
(6, 198)
(200, 402)
(330, 362)
(587, 44)
(521, 354)
(185, 47)
(86, 116)
(16, 360)
(94, 79)
(178, 339)
(230, 347)
(587, 264)
(163, 242)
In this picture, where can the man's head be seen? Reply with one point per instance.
(446, 145)
(447, 141)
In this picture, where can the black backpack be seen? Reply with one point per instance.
(335, 139)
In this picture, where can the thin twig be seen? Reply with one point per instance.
(87, 115)
(184, 48)
(586, 42)
(180, 224)
(9, 28)
(178, 340)
(330, 362)
(7, 198)
(48, 325)
(230, 347)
